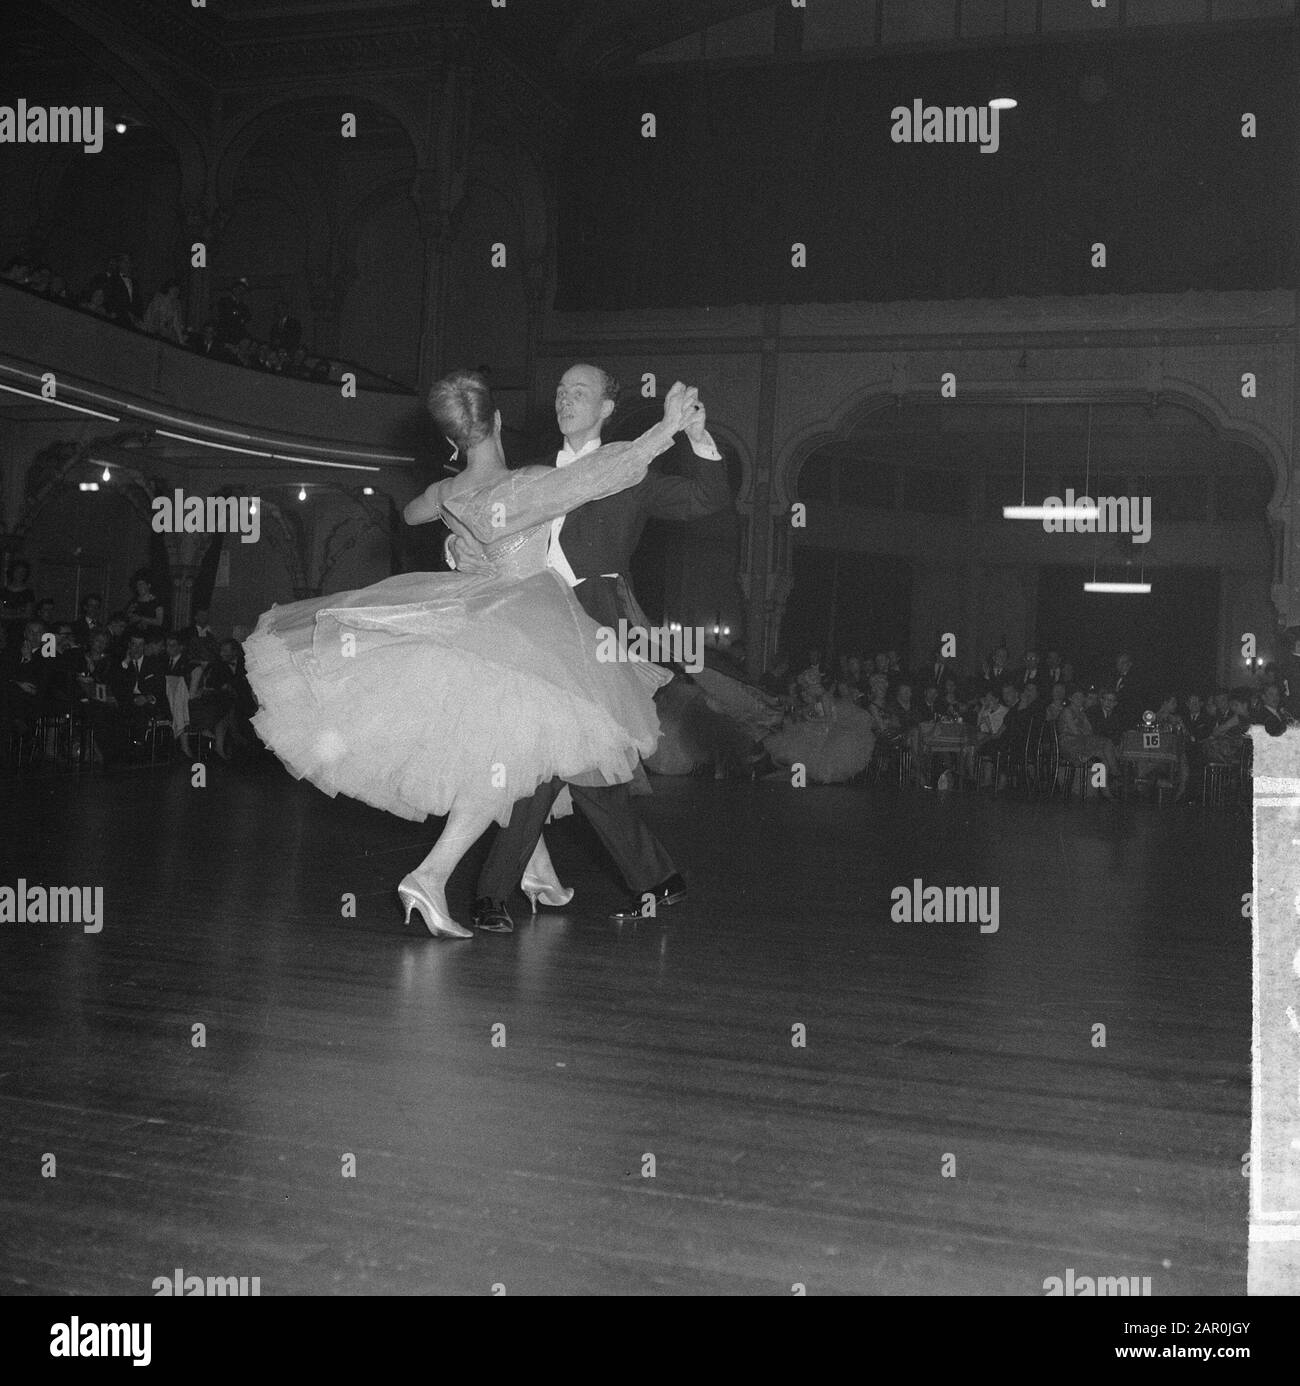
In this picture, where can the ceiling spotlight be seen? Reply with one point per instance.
(87, 486)
(302, 493)
(120, 127)
(367, 490)
(106, 476)
(1003, 103)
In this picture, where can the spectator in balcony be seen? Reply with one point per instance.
(207, 343)
(286, 330)
(146, 612)
(39, 283)
(122, 293)
(45, 612)
(17, 271)
(163, 316)
(58, 290)
(92, 301)
(17, 600)
(233, 314)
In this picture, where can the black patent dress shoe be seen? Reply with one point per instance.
(650, 903)
(492, 916)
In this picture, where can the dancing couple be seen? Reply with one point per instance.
(478, 694)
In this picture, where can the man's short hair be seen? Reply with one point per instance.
(610, 385)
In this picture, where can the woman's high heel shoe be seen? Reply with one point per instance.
(439, 924)
(541, 883)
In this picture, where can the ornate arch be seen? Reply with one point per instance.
(859, 407)
(53, 465)
(243, 132)
(94, 35)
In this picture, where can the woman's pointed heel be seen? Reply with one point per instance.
(540, 881)
(441, 925)
(555, 896)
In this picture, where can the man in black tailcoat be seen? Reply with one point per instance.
(591, 548)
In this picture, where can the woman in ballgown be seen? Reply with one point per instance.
(831, 737)
(459, 693)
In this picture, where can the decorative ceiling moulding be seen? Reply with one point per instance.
(870, 343)
(627, 29)
(1083, 312)
(834, 29)
(411, 50)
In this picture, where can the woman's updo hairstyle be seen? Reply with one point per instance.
(461, 405)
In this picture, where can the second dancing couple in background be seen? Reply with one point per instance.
(478, 694)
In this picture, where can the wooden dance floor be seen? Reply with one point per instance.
(524, 1166)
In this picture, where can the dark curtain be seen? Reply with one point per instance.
(1170, 633)
(206, 579)
(160, 572)
(867, 598)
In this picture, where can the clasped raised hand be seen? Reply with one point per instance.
(679, 405)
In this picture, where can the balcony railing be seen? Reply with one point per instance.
(98, 364)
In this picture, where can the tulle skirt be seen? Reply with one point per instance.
(831, 749)
(433, 690)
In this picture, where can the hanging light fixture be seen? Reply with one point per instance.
(1141, 588)
(302, 493)
(1024, 511)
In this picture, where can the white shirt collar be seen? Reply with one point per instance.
(567, 455)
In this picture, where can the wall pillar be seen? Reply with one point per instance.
(769, 563)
